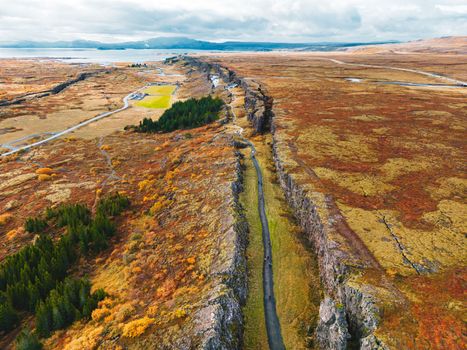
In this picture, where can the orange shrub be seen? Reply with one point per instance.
(44, 171)
(99, 314)
(5, 218)
(11, 234)
(44, 177)
(137, 327)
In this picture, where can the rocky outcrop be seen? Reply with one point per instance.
(359, 307)
(220, 323)
(332, 331)
(53, 91)
(258, 104)
(349, 313)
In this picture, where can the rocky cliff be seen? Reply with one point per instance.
(258, 104)
(349, 315)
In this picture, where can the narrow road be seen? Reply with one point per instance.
(273, 326)
(428, 74)
(126, 105)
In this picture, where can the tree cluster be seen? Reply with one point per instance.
(71, 300)
(35, 225)
(27, 340)
(188, 114)
(113, 205)
(29, 277)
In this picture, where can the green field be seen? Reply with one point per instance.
(155, 102)
(160, 90)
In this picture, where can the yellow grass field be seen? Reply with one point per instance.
(155, 102)
(160, 90)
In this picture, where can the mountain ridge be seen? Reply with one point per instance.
(187, 43)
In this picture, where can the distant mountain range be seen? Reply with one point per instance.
(185, 43)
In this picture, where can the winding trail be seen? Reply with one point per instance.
(126, 105)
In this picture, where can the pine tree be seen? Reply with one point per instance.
(8, 317)
(33, 296)
(28, 341)
(43, 320)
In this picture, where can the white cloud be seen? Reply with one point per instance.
(269, 20)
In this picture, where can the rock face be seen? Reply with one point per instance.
(357, 316)
(359, 307)
(258, 104)
(220, 323)
(332, 331)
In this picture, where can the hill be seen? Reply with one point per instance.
(183, 43)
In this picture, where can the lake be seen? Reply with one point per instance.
(94, 55)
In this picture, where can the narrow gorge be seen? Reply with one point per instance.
(348, 315)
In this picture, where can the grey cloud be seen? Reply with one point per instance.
(273, 20)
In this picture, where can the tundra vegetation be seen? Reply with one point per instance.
(165, 270)
(385, 177)
(164, 258)
(35, 279)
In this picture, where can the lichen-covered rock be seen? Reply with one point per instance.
(372, 343)
(332, 331)
(220, 323)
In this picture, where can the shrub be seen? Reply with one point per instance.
(137, 327)
(44, 171)
(5, 218)
(44, 177)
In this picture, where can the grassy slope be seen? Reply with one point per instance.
(296, 275)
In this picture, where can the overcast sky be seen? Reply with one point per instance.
(262, 20)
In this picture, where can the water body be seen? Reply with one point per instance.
(93, 55)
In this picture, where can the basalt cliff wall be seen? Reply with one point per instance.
(349, 315)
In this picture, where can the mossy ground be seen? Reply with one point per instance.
(383, 165)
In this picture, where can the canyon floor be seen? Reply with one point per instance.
(362, 156)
